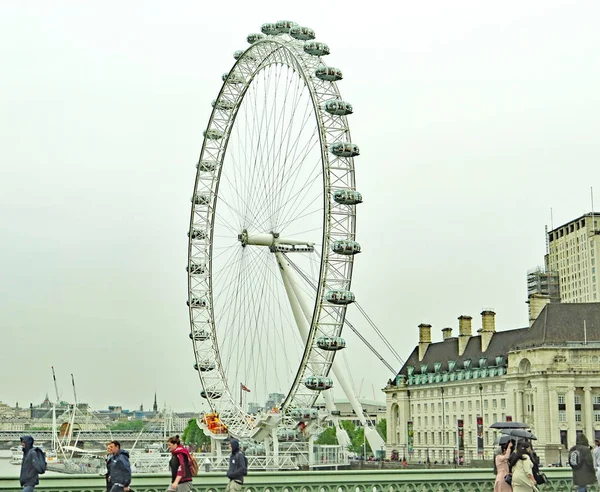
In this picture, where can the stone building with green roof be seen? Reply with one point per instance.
(447, 394)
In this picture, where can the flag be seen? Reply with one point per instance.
(244, 387)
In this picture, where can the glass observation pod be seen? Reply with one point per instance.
(338, 108)
(196, 268)
(288, 435)
(199, 336)
(302, 33)
(304, 413)
(208, 166)
(345, 247)
(205, 366)
(331, 343)
(237, 54)
(212, 394)
(340, 297)
(316, 48)
(344, 149)
(347, 197)
(223, 104)
(254, 37)
(232, 78)
(198, 234)
(284, 26)
(270, 29)
(197, 302)
(329, 74)
(200, 199)
(318, 383)
(213, 134)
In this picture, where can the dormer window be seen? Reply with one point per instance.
(424, 369)
(410, 370)
(482, 361)
(499, 360)
(467, 363)
(451, 365)
(437, 366)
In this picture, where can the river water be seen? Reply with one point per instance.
(9, 470)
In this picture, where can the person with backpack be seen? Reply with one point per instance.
(118, 469)
(33, 464)
(181, 466)
(238, 468)
(581, 462)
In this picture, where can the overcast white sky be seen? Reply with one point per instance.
(473, 119)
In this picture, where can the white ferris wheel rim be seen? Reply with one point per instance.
(338, 223)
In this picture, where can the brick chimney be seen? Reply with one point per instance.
(446, 333)
(424, 339)
(464, 333)
(536, 302)
(488, 327)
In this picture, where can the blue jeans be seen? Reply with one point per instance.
(582, 488)
(28, 488)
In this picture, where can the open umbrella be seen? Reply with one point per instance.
(509, 425)
(518, 433)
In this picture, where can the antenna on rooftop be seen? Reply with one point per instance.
(547, 240)
(74, 391)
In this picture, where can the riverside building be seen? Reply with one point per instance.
(442, 402)
(573, 251)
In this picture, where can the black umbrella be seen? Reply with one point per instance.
(509, 425)
(503, 439)
(519, 433)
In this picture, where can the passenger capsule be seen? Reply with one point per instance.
(329, 74)
(200, 199)
(284, 26)
(197, 234)
(232, 78)
(196, 268)
(204, 366)
(288, 435)
(211, 394)
(270, 29)
(331, 343)
(197, 302)
(302, 33)
(347, 197)
(304, 413)
(199, 336)
(208, 166)
(318, 383)
(340, 297)
(254, 37)
(238, 54)
(223, 104)
(213, 134)
(316, 48)
(338, 108)
(344, 149)
(345, 247)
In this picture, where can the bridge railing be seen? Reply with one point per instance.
(448, 480)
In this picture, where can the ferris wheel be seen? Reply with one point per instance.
(272, 230)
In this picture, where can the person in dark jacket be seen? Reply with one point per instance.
(118, 469)
(582, 463)
(237, 468)
(29, 475)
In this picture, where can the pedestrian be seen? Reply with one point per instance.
(501, 465)
(238, 468)
(181, 472)
(118, 469)
(582, 463)
(521, 468)
(29, 467)
(596, 457)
